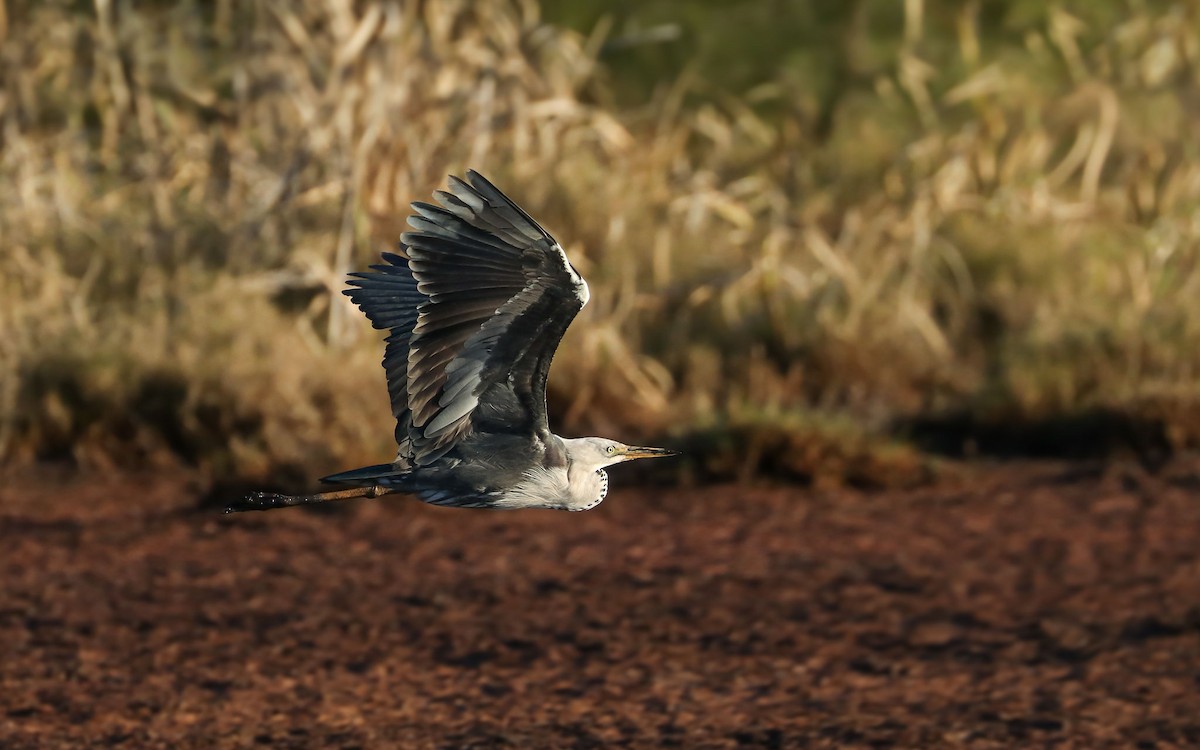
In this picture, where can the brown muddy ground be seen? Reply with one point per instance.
(1030, 606)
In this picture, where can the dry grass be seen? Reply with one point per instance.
(1008, 230)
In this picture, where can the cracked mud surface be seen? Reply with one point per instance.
(1031, 605)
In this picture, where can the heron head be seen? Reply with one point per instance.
(601, 452)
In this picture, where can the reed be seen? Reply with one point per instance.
(1002, 228)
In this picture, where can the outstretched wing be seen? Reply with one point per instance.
(496, 294)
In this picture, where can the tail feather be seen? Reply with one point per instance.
(383, 474)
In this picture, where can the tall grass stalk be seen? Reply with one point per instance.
(1007, 228)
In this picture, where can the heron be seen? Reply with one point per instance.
(475, 305)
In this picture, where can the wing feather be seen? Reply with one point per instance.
(476, 308)
(389, 297)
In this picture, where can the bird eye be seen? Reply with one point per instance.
(611, 449)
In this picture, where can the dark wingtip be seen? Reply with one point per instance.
(483, 186)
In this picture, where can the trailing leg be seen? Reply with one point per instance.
(270, 500)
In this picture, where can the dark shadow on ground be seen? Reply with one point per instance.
(1096, 434)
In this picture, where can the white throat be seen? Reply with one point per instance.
(587, 489)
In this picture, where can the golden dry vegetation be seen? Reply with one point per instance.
(984, 230)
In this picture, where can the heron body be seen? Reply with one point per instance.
(475, 306)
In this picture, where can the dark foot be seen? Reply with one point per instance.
(262, 501)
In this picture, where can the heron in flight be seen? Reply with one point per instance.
(474, 309)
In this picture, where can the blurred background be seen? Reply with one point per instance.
(825, 240)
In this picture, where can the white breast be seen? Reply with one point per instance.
(541, 488)
(550, 488)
